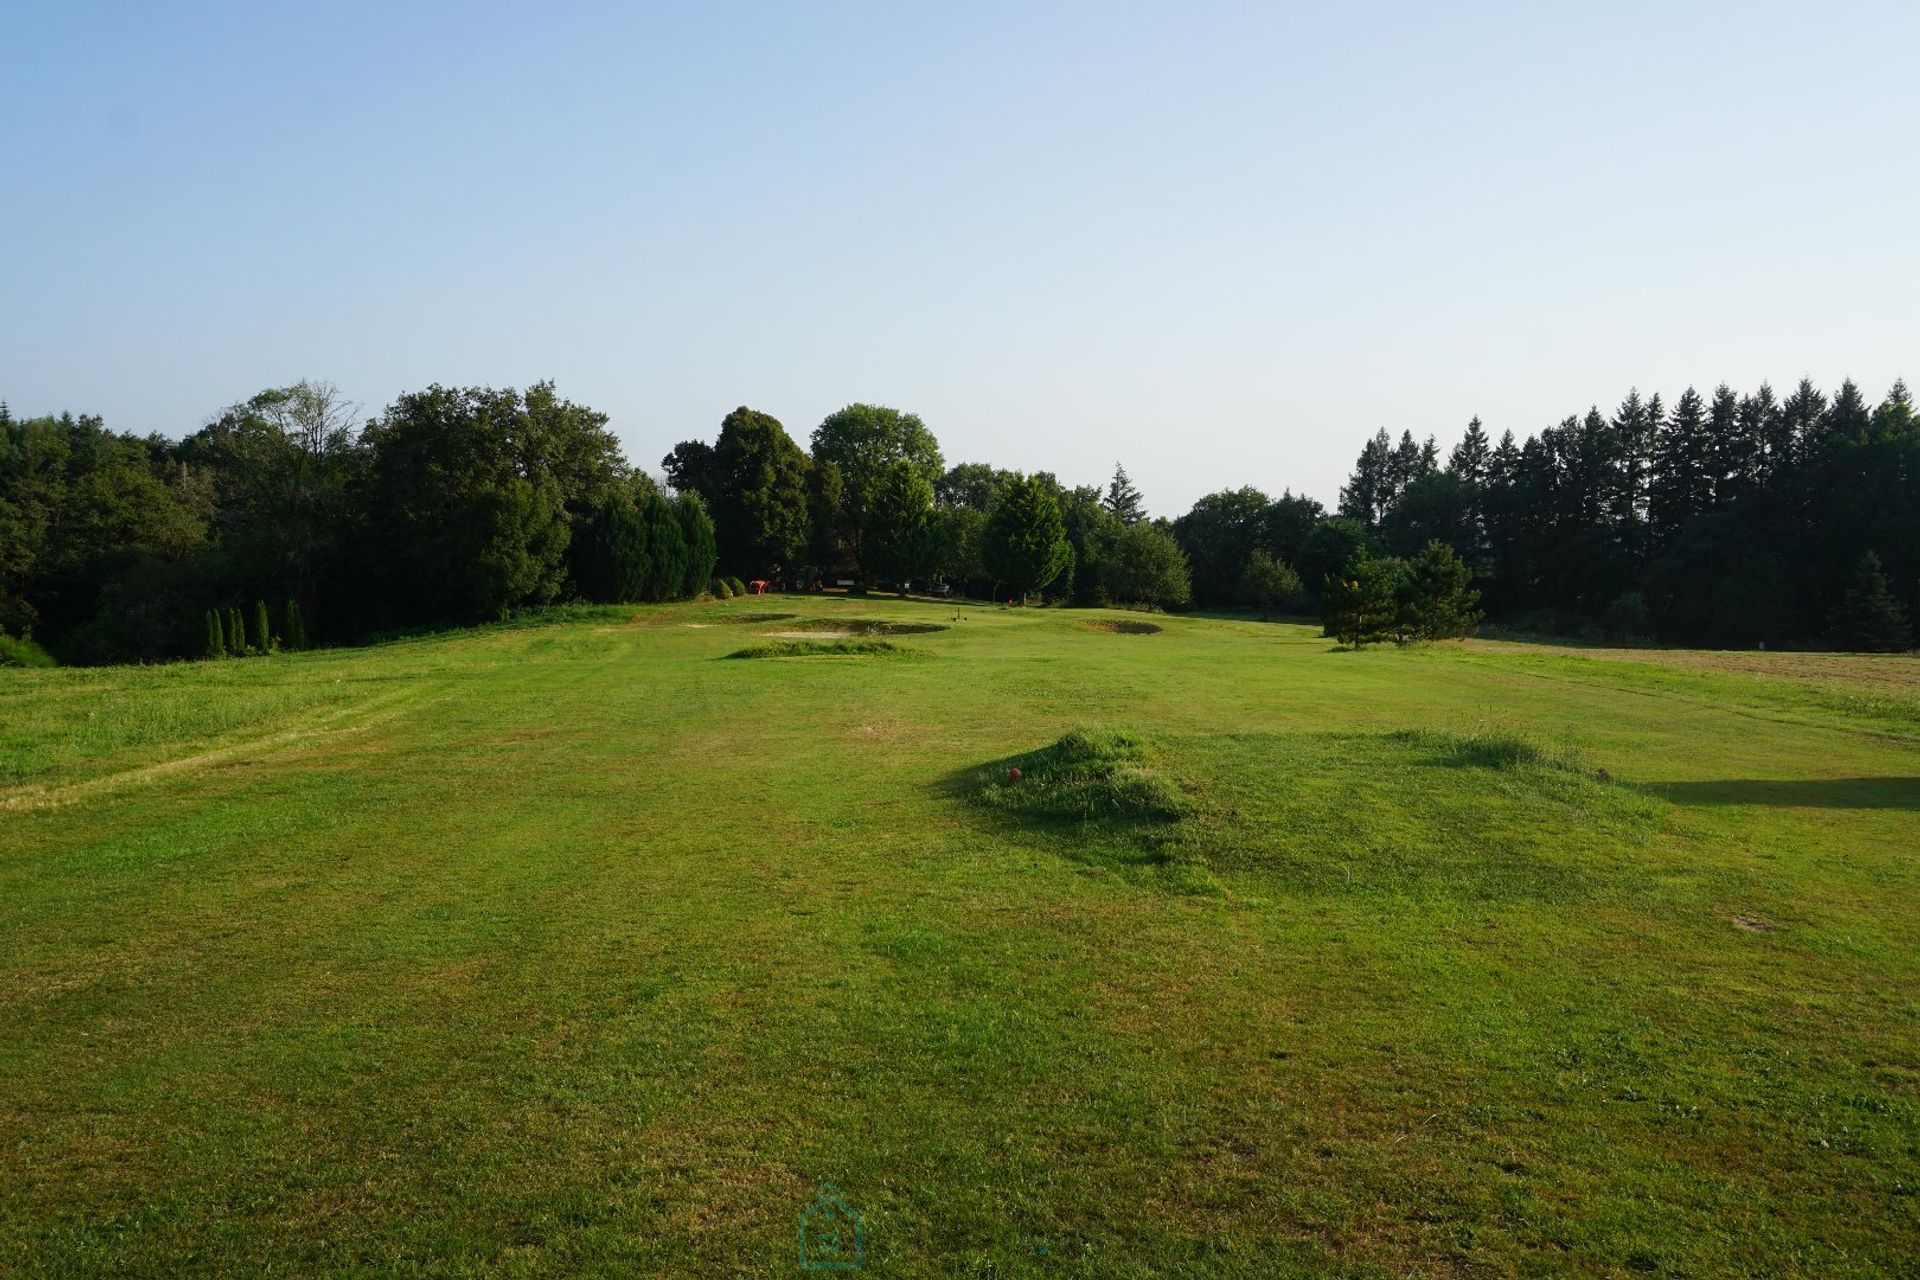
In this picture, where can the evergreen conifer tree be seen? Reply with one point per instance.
(296, 627)
(262, 628)
(1869, 619)
(1357, 605)
(1122, 499)
(215, 645)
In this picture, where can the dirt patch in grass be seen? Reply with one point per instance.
(750, 619)
(1754, 924)
(1121, 627)
(816, 648)
(855, 627)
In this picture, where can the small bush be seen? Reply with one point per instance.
(720, 589)
(736, 586)
(23, 652)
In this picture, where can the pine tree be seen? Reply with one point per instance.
(1434, 597)
(1357, 605)
(262, 628)
(215, 645)
(296, 627)
(1869, 619)
(236, 633)
(1123, 500)
(1370, 492)
(1733, 455)
(1682, 484)
(1472, 455)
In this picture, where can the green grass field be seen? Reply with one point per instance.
(575, 949)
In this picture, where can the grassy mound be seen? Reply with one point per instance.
(1414, 815)
(1484, 747)
(1089, 775)
(824, 649)
(1122, 627)
(23, 653)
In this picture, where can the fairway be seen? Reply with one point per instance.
(583, 947)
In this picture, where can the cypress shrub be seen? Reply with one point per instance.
(720, 589)
(236, 633)
(295, 635)
(666, 550)
(215, 645)
(262, 629)
(738, 587)
(696, 531)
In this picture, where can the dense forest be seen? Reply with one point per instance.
(1724, 520)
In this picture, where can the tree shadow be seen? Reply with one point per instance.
(1809, 793)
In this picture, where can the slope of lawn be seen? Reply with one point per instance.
(575, 949)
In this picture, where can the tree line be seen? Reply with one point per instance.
(1723, 520)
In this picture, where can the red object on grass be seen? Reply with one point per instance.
(1013, 775)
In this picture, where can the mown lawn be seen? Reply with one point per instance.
(573, 949)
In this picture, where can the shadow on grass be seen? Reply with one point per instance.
(1809, 793)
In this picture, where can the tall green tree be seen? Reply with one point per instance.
(1123, 500)
(900, 523)
(666, 559)
(215, 644)
(1146, 566)
(758, 495)
(862, 441)
(1268, 585)
(1025, 543)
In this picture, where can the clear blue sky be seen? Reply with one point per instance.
(1222, 243)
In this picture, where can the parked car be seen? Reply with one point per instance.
(939, 590)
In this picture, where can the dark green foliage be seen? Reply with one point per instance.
(514, 538)
(696, 532)
(1144, 565)
(736, 586)
(861, 442)
(754, 481)
(1358, 605)
(215, 643)
(236, 633)
(719, 589)
(610, 562)
(1024, 543)
(469, 495)
(23, 652)
(1268, 586)
(295, 636)
(666, 551)
(262, 628)
(1434, 598)
(899, 523)
(1327, 550)
(1869, 618)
